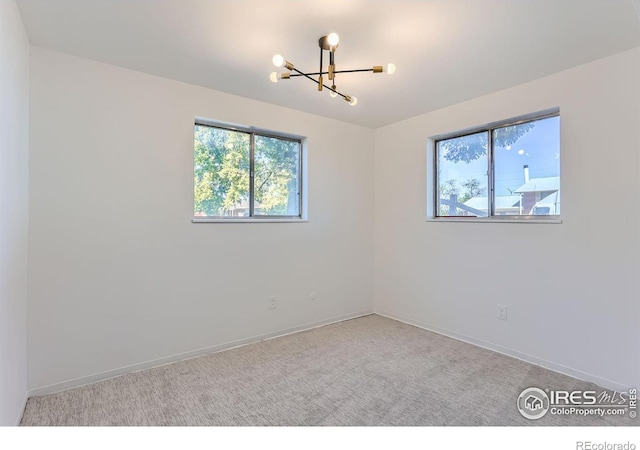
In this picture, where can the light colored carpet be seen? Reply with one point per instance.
(366, 371)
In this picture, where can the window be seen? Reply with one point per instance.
(244, 174)
(511, 168)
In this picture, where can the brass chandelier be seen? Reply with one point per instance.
(327, 43)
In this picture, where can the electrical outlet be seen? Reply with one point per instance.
(502, 312)
(272, 302)
(313, 296)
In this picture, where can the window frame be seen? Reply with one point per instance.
(432, 172)
(253, 132)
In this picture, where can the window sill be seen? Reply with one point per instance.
(494, 220)
(240, 220)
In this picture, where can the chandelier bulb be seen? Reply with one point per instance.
(332, 92)
(333, 39)
(352, 100)
(391, 68)
(274, 77)
(278, 60)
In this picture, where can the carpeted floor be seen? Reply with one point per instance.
(366, 371)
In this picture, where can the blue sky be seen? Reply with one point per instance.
(539, 148)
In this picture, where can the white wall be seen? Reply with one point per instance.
(583, 315)
(119, 275)
(14, 222)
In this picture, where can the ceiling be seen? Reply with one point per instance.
(445, 51)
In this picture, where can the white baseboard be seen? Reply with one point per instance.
(556, 367)
(21, 412)
(89, 379)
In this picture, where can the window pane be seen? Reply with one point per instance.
(462, 176)
(277, 181)
(527, 168)
(221, 172)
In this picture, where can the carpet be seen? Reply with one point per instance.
(369, 371)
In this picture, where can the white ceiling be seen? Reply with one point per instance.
(446, 51)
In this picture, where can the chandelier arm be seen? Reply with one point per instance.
(337, 71)
(316, 82)
(303, 75)
(353, 70)
(332, 64)
(340, 94)
(308, 73)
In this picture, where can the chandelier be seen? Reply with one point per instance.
(327, 43)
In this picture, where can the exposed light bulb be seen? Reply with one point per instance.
(278, 60)
(354, 101)
(333, 93)
(391, 68)
(274, 77)
(333, 39)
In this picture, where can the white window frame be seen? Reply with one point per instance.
(432, 170)
(302, 179)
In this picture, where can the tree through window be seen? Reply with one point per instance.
(245, 174)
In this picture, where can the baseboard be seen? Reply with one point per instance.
(575, 373)
(21, 412)
(81, 381)
(89, 379)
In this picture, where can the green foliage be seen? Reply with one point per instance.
(217, 152)
(222, 167)
(510, 135)
(276, 167)
(474, 146)
(472, 188)
(235, 169)
(449, 188)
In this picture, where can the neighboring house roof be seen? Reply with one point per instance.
(540, 184)
(502, 202)
(550, 199)
(481, 203)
